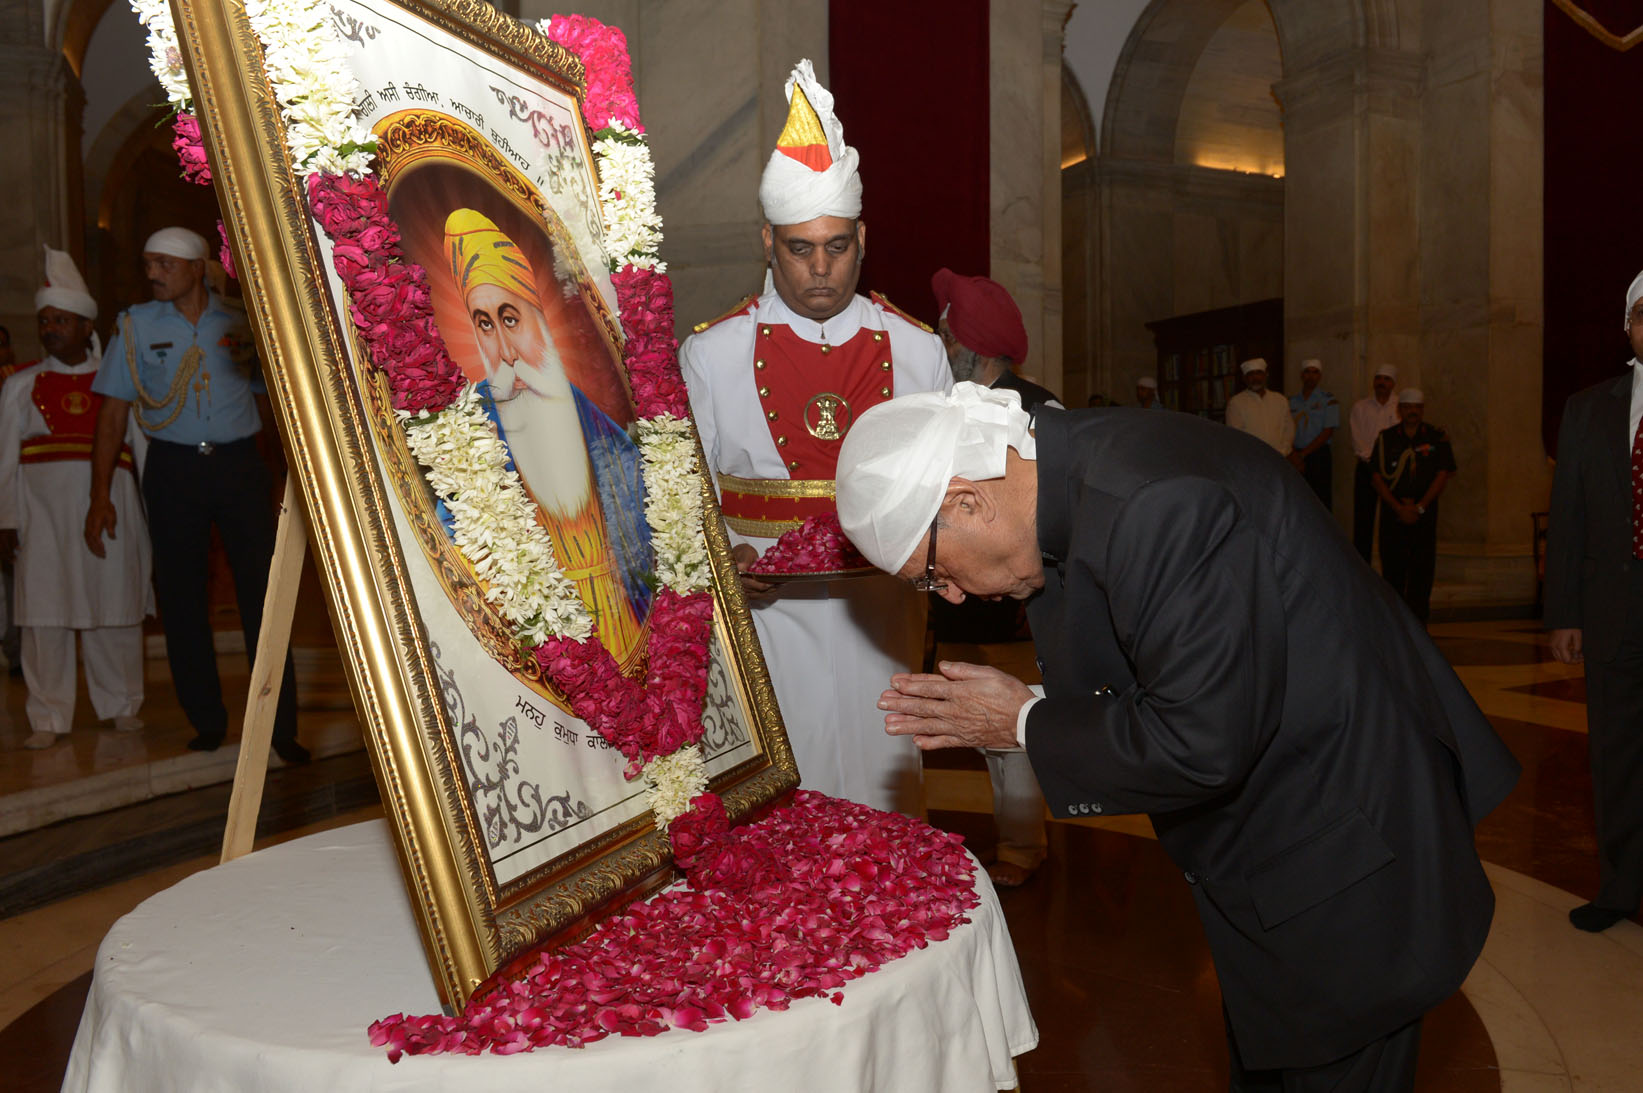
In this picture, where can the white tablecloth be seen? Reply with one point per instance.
(264, 973)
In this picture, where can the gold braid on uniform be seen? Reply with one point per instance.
(179, 382)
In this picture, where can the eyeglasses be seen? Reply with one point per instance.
(928, 582)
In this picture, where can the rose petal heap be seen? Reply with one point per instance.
(858, 889)
(816, 546)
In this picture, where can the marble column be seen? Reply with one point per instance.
(1024, 215)
(1413, 237)
(38, 93)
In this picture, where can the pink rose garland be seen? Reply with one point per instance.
(190, 148)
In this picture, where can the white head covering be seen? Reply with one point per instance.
(177, 242)
(1633, 291)
(1147, 381)
(1388, 371)
(1413, 396)
(793, 192)
(898, 457)
(1313, 362)
(1254, 364)
(64, 287)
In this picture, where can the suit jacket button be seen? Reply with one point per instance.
(1040, 665)
(1079, 809)
(1096, 808)
(1192, 878)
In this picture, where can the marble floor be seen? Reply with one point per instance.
(1111, 950)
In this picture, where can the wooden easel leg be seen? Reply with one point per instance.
(268, 671)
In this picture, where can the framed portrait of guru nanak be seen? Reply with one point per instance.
(469, 343)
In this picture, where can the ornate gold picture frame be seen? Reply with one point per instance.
(513, 821)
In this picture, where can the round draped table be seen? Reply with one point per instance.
(263, 974)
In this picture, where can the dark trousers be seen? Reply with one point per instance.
(1365, 503)
(186, 494)
(1386, 1065)
(1409, 557)
(1319, 471)
(1614, 718)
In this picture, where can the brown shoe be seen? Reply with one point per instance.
(1008, 874)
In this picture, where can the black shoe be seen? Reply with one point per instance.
(202, 742)
(294, 754)
(1594, 919)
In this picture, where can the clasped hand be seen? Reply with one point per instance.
(966, 706)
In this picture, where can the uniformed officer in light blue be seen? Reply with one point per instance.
(1317, 415)
(186, 364)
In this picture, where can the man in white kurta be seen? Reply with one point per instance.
(774, 385)
(1261, 413)
(48, 413)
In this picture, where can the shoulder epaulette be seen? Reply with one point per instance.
(743, 306)
(878, 298)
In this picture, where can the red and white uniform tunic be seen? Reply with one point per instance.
(773, 394)
(48, 415)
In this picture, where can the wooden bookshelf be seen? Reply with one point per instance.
(1199, 354)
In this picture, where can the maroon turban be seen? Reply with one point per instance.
(981, 315)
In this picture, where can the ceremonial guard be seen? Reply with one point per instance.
(774, 386)
(187, 364)
(48, 415)
(1412, 464)
(1260, 412)
(1370, 415)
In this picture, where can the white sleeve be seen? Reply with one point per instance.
(701, 404)
(13, 402)
(920, 359)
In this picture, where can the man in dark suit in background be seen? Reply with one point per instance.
(1594, 608)
(1216, 655)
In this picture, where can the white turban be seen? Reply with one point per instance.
(1313, 362)
(1147, 381)
(64, 287)
(793, 191)
(1413, 396)
(898, 457)
(1633, 291)
(1254, 364)
(1388, 371)
(177, 242)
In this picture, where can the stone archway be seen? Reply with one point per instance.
(1409, 212)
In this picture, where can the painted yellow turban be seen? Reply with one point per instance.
(480, 254)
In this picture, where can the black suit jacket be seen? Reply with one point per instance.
(1589, 533)
(1216, 654)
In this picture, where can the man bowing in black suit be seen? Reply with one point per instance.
(1594, 608)
(1216, 655)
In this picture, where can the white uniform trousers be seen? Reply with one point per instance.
(114, 673)
(1018, 807)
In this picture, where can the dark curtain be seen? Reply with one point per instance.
(1594, 173)
(909, 80)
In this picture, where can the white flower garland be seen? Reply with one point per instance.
(494, 520)
(627, 194)
(165, 56)
(673, 503)
(308, 69)
(674, 780)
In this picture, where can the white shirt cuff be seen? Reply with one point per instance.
(1021, 715)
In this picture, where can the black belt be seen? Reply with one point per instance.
(208, 447)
